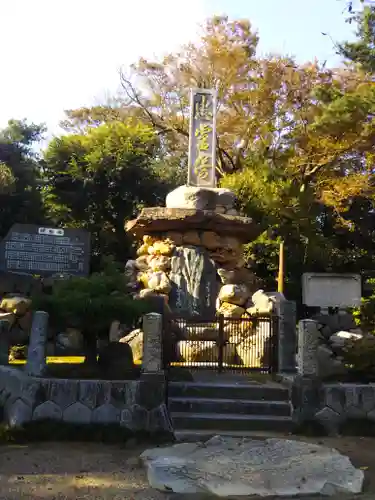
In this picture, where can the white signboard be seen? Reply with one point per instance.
(331, 290)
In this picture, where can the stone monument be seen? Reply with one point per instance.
(192, 247)
(189, 256)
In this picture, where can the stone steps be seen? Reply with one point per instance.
(197, 406)
(227, 421)
(214, 390)
(231, 406)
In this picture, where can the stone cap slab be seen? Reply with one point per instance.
(160, 219)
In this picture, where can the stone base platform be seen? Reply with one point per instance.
(159, 220)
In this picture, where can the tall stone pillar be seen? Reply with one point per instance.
(152, 361)
(287, 336)
(36, 355)
(153, 385)
(308, 341)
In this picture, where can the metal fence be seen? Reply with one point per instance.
(222, 344)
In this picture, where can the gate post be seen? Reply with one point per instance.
(220, 344)
(287, 336)
(153, 385)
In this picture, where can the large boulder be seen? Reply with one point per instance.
(339, 339)
(191, 238)
(328, 365)
(16, 304)
(194, 281)
(159, 282)
(204, 352)
(262, 304)
(70, 339)
(211, 240)
(230, 310)
(200, 198)
(234, 294)
(135, 340)
(240, 467)
(335, 322)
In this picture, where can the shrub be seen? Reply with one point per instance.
(91, 304)
(359, 356)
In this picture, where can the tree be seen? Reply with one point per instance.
(304, 167)
(19, 166)
(100, 178)
(6, 178)
(362, 51)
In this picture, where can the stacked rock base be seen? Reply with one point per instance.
(190, 258)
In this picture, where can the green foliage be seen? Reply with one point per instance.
(6, 178)
(359, 356)
(100, 178)
(91, 304)
(362, 51)
(365, 315)
(20, 171)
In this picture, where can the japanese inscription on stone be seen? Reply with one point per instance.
(202, 138)
(30, 249)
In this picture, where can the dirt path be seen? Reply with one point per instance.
(67, 471)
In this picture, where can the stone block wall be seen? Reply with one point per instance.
(129, 403)
(331, 405)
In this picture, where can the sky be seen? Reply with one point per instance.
(64, 54)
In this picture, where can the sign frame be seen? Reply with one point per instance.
(45, 252)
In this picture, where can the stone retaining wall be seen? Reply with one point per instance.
(135, 404)
(331, 405)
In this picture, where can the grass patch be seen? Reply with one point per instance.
(49, 430)
(73, 367)
(73, 360)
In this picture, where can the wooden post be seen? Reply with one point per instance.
(280, 279)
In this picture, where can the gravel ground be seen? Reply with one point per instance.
(70, 471)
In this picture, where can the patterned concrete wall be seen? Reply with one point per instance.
(127, 403)
(332, 404)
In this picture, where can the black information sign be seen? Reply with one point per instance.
(45, 251)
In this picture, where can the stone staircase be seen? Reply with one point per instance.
(229, 407)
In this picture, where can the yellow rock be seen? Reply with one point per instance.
(143, 294)
(191, 238)
(17, 305)
(236, 331)
(142, 262)
(175, 237)
(230, 310)
(159, 282)
(234, 294)
(159, 263)
(143, 249)
(143, 278)
(161, 248)
(148, 240)
(211, 240)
